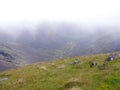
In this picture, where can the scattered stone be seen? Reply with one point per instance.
(112, 57)
(20, 81)
(75, 62)
(3, 79)
(93, 64)
(43, 67)
(61, 66)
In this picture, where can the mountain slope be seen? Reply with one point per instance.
(8, 57)
(51, 41)
(60, 41)
(9, 53)
(6, 65)
(61, 75)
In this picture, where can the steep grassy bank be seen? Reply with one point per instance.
(61, 75)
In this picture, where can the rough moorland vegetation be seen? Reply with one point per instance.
(65, 74)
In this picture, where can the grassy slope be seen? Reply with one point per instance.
(47, 75)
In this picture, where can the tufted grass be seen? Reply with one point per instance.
(47, 75)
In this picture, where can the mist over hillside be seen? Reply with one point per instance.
(59, 44)
(57, 40)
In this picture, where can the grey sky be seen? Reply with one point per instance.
(83, 12)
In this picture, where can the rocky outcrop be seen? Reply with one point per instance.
(6, 56)
(112, 57)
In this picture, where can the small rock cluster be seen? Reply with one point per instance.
(112, 57)
(76, 61)
(93, 64)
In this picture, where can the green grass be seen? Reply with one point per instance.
(47, 75)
